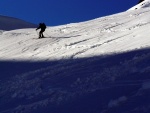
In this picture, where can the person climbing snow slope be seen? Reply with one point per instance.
(41, 26)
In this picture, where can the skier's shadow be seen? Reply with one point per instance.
(60, 36)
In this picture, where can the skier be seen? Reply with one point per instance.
(41, 26)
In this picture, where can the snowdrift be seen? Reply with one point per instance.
(143, 4)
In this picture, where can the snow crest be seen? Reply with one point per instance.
(144, 4)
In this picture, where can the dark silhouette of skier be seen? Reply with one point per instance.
(41, 26)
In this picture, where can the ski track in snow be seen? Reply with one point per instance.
(73, 39)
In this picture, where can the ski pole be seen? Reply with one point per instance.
(37, 32)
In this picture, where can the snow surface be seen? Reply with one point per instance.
(144, 4)
(98, 66)
(10, 23)
(116, 33)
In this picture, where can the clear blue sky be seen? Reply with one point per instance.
(58, 12)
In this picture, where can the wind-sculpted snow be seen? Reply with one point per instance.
(116, 33)
(106, 84)
(98, 66)
(142, 4)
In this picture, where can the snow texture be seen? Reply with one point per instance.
(143, 4)
(97, 66)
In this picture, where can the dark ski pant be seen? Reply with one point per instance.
(41, 33)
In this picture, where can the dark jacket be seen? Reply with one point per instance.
(42, 26)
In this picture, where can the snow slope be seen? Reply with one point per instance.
(9, 23)
(116, 33)
(98, 66)
(144, 4)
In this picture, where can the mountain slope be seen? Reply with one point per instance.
(9, 23)
(142, 4)
(98, 66)
(116, 33)
(140, 1)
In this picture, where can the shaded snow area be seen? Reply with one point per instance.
(98, 66)
(10, 23)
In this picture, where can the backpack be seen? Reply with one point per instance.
(43, 25)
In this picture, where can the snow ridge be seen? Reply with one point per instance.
(144, 4)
